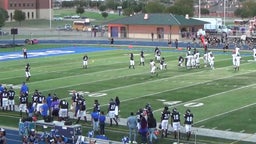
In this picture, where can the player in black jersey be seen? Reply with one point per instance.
(164, 121)
(163, 65)
(40, 100)
(188, 122)
(85, 61)
(5, 99)
(27, 72)
(111, 111)
(23, 103)
(96, 105)
(142, 58)
(63, 112)
(131, 61)
(82, 109)
(35, 99)
(175, 120)
(11, 96)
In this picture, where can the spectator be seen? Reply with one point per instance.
(151, 127)
(2, 136)
(30, 109)
(55, 106)
(44, 110)
(25, 55)
(24, 89)
(49, 101)
(132, 125)
(111, 41)
(176, 43)
(143, 128)
(102, 120)
(95, 120)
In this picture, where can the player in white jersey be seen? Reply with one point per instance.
(237, 50)
(234, 59)
(152, 67)
(237, 62)
(189, 61)
(211, 61)
(197, 59)
(254, 53)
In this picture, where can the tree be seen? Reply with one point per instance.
(19, 16)
(248, 10)
(154, 7)
(3, 17)
(182, 7)
(102, 8)
(80, 10)
(128, 11)
(104, 14)
(205, 11)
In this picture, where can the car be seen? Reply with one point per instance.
(67, 17)
(58, 18)
(60, 28)
(2, 33)
(68, 27)
(75, 17)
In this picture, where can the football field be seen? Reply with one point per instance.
(221, 99)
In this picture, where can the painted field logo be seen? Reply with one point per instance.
(170, 103)
(194, 104)
(84, 93)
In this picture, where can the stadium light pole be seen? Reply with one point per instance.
(199, 9)
(224, 12)
(50, 14)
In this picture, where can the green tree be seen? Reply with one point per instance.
(154, 7)
(205, 11)
(128, 11)
(19, 16)
(80, 10)
(3, 17)
(102, 8)
(182, 7)
(104, 14)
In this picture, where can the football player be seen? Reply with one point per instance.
(188, 122)
(131, 61)
(85, 61)
(11, 96)
(23, 103)
(27, 72)
(164, 121)
(237, 62)
(63, 112)
(142, 58)
(111, 112)
(82, 109)
(5, 99)
(175, 120)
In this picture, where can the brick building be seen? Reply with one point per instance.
(34, 9)
(156, 26)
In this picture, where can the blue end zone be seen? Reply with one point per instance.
(4, 56)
